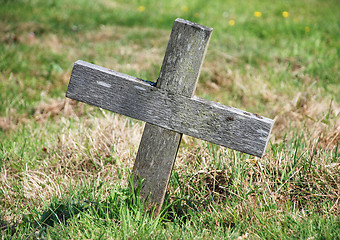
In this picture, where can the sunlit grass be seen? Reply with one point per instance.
(65, 166)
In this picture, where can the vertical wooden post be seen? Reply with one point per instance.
(179, 74)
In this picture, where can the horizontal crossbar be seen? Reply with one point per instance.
(196, 117)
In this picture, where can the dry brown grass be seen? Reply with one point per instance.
(103, 146)
(95, 148)
(222, 176)
(309, 113)
(307, 110)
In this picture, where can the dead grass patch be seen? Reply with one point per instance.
(317, 118)
(104, 147)
(308, 111)
(307, 180)
(99, 142)
(104, 140)
(259, 183)
(6, 123)
(58, 107)
(45, 110)
(95, 148)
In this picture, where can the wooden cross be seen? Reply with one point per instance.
(169, 108)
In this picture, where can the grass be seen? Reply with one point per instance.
(65, 166)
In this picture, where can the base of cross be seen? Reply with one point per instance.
(154, 163)
(169, 109)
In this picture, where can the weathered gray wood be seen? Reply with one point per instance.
(197, 117)
(184, 57)
(179, 74)
(169, 108)
(154, 162)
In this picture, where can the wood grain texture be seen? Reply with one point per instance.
(154, 162)
(183, 58)
(179, 74)
(197, 117)
(169, 108)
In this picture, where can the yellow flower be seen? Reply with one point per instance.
(231, 22)
(185, 8)
(257, 14)
(307, 29)
(196, 15)
(285, 14)
(141, 8)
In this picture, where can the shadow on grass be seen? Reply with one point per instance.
(113, 210)
(57, 213)
(109, 211)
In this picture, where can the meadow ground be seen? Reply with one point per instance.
(64, 165)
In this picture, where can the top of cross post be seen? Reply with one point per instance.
(195, 25)
(184, 56)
